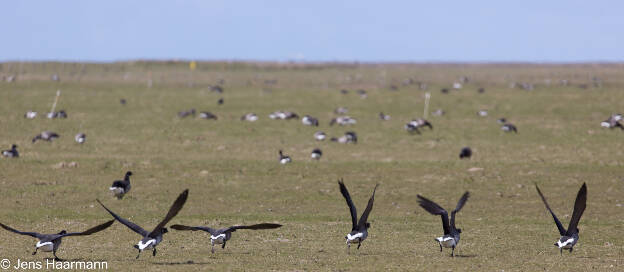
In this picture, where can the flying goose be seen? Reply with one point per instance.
(384, 117)
(319, 136)
(51, 242)
(451, 234)
(11, 153)
(152, 239)
(121, 187)
(80, 138)
(316, 154)
(309, 121)
(251, 117)
(207, 115)
(183, 114)
(508, 127)
(221, 236)
(46, 136)
(359, 231)
(283, 158)
(465, 153)
(570, 236)
(613, 122)
(30, 114)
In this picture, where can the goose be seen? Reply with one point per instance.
(362, 94)
(316, 154)
(221, 236)
(30, 114)
(451, 234)
(183, 114)
(220, 101)
(613, 122)
(283, 158)
(121, 187)
(251, 117)
(80, 138)
(444, 90)
(283, 115)
(344, 91)
(309, 121)
(465, 153)
(419, 122)
(384, 117)
(46, 136)
(122, 101)
(11, 153)
(216, 88)
(359, 230)
(508, 127)
(207, 115)
(152, 239)
(343, 121)
(570, 236)
(482, 113)
(501, 120)
(341, 110)
(320, 136)
(411, 128)
(59, 114)
(438, 112)
(51, 242)
(348, 137)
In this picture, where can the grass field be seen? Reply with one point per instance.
(231, 167)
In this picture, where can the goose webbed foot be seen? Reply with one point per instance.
(56, 258)
(35, 251)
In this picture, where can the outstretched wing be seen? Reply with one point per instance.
(435, 209)
(134, 227)
(183, 227)
(173, 211)
(579, 208)
(369, 208)
(254, 227)
(345, 194)
(562, 231)
(92, 230)
(460, 205)
(33, 234)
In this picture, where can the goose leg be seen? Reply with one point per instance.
(359, 244)
(440, 247)
(453, 252)
(212, 244)
(56, 258)
(561, 251)
(223, 246)
(36, 248)
(348, 248)
(571, 250)
(138, 254)
(154, 252)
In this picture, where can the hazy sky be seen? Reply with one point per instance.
(320, 30)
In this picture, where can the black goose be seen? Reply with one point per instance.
(207, 115)
(11, 153)
(284, 159)
(251, 117)
(465, 153)
(451, 234)
(152, 239)
(220, 101)
(613, 122)
(570, 236)
(359, 230)
(384, 117)
(320, 136)
(51, 242)
(30, 114)
(221, 236)
(508, 127)
(309, 121)
(121, 187)
(46, 136)
(316, 154)
(80, 138)
(183, 114)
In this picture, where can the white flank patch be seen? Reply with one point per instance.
(284, 161)
(566, 244)
(149, 243)
(605, 124)
(446, 241)
(219, 239)
(356, 236)
(47, 246)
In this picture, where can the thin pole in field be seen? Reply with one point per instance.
(58, 94)
(427, 96)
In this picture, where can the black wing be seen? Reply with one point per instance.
(136, 228)
(33, 234)
(254, 227)
(173, 211)
(369, 208)
(460, 205)
(562, 231)
(435, 209)
(345, 193)
(579, 208)
(119, 183)
(91, 230)
(183, 227)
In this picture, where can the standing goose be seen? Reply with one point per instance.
(51, 242)
(359, 231)
(283, 158)
(451, 234)
(207, 115)
(46, 136)
(11, 153)
(570, 236)
(80, 138)
(221, 236)
(465, 153)
(121, 187)
(316, 154)
(152, 239)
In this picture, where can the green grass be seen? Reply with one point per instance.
(233, 175)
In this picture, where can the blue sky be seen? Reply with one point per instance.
(418, 31)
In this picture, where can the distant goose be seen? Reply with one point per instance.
(359, 229)
(343, 121)
(613, 122)
(451, 234)
(501, 120)
(183, 114)
(465, 153)
(60, 114)
(122, 101)
(344, 91)
(221, 236)
(220, 101)
(309, 121)
(384, 117)
(411, 128)
(320, 136)
(507, 127)
(30, 114)
(80, 138)
(152, 239)
(316, 154)
(438, 112)
(46, 136)
(362, 94)
(251, 117)
(570, 236)
(11, 153)
(283, 115)
(341, 110)
(482, 113)
(283, 159)
(348, 137)
(207, 115)
(51, 242)
(418, 123)
(121, 187)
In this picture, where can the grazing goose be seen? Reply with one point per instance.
(508, 127)
(344, 91)
(207, 115)
(221, 236)
(283, 115)
(283, 159)
(359, 230)
(320, 136)
(348, 137)
(60, 114)
(316, 154)
(309, 121)
(122, 101)
(451, 234)
(362, 93)
(384, 117)
(343, 121)
(501, 120)
(80, 138)
(30, 114)
(51, 242)
(341, 110)
(418, 123)
(251, 117)
(121, 187)
(570, 236)
(11, 153)
(411, 128)
(482, 113)
(220, 101)
(438, 112)
(183, 114)
(152, 239)
(613, 122)
(46, 136)
(465, 153)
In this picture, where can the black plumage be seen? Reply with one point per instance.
(451, 233)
